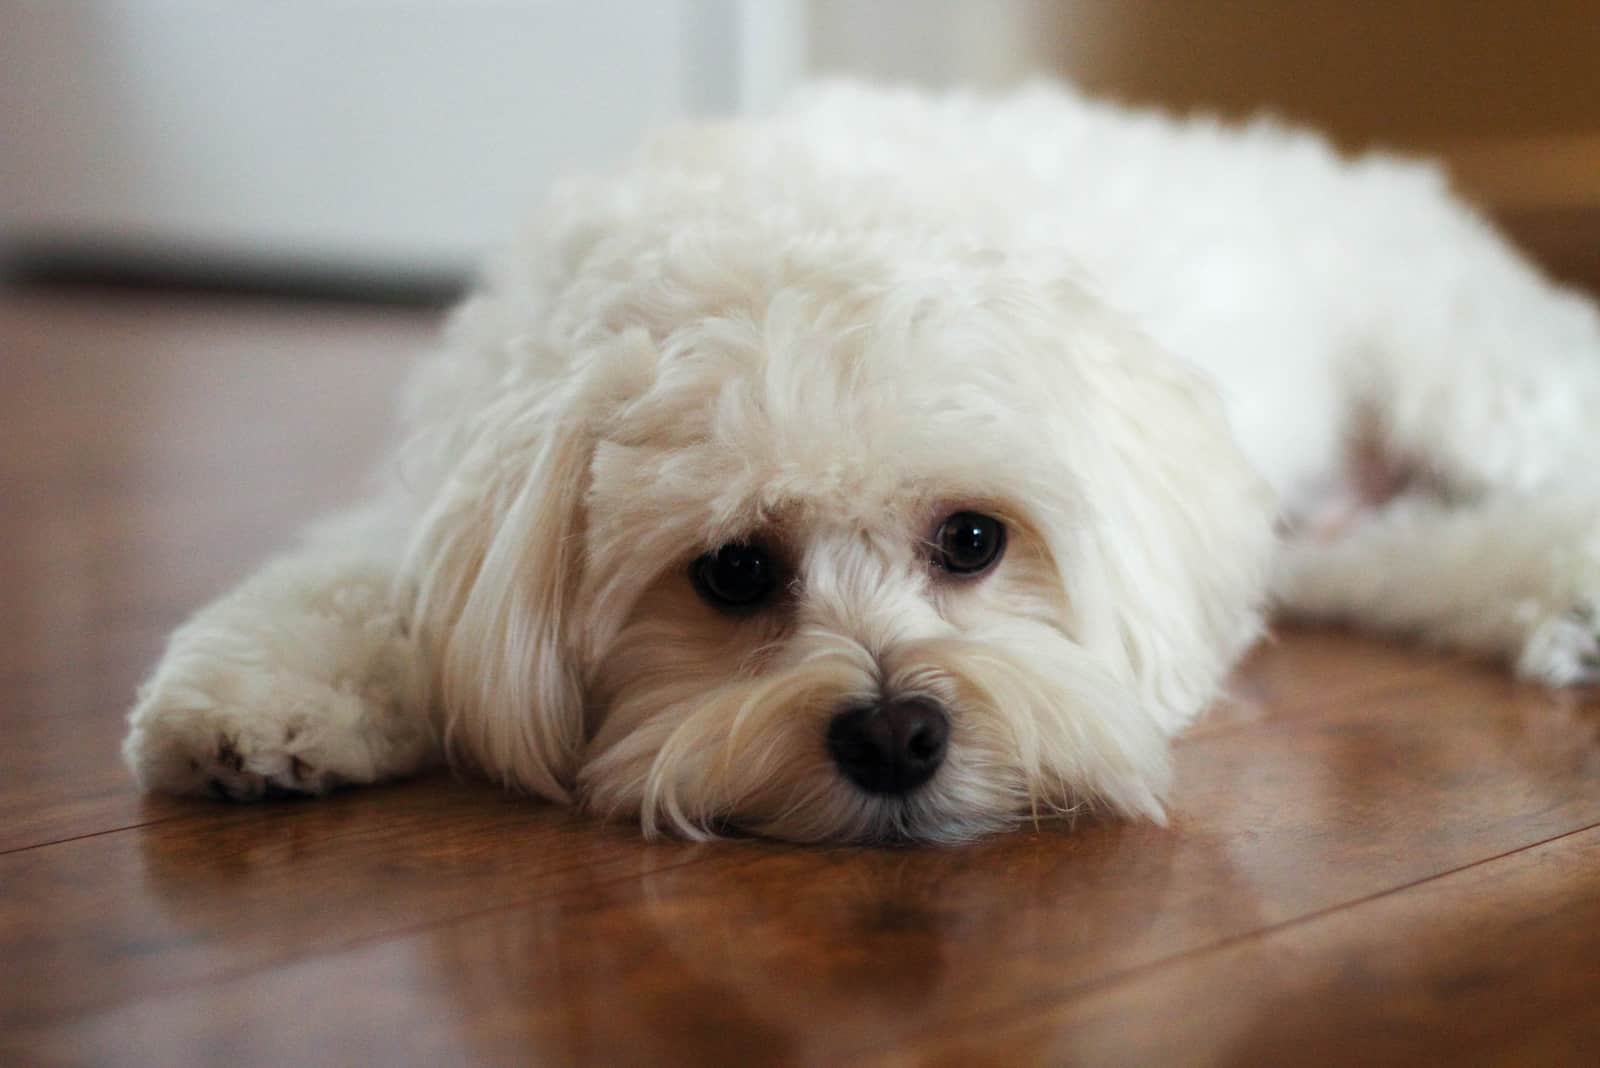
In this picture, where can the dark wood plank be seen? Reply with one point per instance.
(152, 449)
(1393, 980)
(1496, 964)
(1316, 804)
(215, 889)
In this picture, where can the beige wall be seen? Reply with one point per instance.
(1507, 89)
(1397, 71)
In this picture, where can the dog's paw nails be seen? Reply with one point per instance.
(229, 756)
(228, 763)
(1564, 650)
(301, 778)
(220, 772)
(239, 770)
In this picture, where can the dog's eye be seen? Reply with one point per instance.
(969, 542)
(735, 576)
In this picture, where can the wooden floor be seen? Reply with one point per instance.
(1375, 855)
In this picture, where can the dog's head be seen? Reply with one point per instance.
(833, 539)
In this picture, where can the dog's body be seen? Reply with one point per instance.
(903, 467)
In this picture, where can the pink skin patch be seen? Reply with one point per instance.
(1369, 479)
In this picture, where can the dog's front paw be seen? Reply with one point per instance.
(244, 733)
(1564, 649)
(233, 767)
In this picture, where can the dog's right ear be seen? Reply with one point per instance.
(492, 571)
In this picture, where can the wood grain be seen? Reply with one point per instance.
(150, 451)
(1376, 854)
(1496, 964)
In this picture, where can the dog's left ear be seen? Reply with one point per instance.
(1172, 560)
(493, 570)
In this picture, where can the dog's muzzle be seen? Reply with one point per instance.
(891, 747)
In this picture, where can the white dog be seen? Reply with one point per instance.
(904, 467)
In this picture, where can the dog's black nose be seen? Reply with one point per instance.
(889, 748)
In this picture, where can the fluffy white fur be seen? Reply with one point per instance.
(1140, 342)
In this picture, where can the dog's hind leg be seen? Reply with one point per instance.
(301, 679)
(1492, 544)
(1512, 577)
(1479, 380)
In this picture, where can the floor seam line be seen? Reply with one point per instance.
(89, 834)
(71, 1016)
(1139, 971)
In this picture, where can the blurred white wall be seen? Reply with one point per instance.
(369, 135)
(409, 135)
